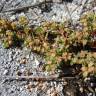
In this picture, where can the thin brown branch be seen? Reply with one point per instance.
(26, 7)
(38, 78)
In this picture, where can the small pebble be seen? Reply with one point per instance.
(5, 72)
(12, 18)
(22, 14)
(23, 61)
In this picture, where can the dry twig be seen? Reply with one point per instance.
(26, 7)
(38, 78)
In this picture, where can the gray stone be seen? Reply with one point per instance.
(12, 17)
(5, 72)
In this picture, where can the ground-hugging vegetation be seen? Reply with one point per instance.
(59, 43)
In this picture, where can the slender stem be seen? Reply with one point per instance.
(26, 7)
(38, 78)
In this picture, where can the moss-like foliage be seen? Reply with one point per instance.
(58, 43)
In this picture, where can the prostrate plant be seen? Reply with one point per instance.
(59, 43)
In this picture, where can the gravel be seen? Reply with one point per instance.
(58, 12)
(12, 61)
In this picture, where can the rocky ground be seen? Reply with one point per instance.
(16, 60)
(59, 12)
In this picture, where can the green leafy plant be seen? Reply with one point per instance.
(59, 43)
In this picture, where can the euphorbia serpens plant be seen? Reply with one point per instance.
(59, 43)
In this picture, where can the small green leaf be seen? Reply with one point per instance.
(39, 30)
(5, 44)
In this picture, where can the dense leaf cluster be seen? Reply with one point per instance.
(59, 43)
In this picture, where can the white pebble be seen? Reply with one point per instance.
(5, 72)
(12, 18)
(22, 14)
